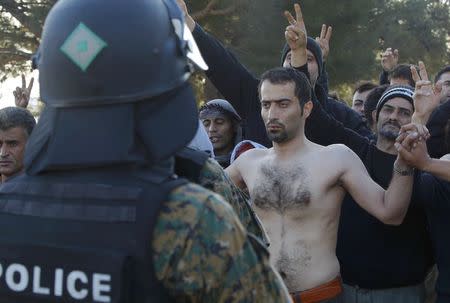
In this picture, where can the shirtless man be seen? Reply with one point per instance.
(297, 187)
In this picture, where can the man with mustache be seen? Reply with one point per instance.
(222, 123)
(297, 188)
(379, 263)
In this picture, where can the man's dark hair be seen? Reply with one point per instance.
(446, 69)
(372, 100)
(16, 117)
(403, 71)
(281, 75)
(363, 86)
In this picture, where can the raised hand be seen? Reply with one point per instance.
(420, 129)
(413, 151)
(296, 36)
(324, 40)
(189, 20)
(426, 99)
(389, 59)
(22, 94)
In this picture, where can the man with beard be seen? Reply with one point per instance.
(300, 207)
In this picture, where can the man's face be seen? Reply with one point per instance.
(358, 101)
(394, 114)
(12, 147)
(313, 67)
(444, 79)
(280, 111)
(221, 132)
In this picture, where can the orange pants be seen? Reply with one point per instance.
(320, 293)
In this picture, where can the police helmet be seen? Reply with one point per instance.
(109, 69)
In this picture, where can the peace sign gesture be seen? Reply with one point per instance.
(295, 33)
(426, 99)
(324, 40)
(22, 95)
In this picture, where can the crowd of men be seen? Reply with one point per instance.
(126, 192)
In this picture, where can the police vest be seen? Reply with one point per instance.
(80, 237)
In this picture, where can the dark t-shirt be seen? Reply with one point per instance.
(435, 194)
(373, 255)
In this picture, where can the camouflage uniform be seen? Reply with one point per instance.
(214, 178)
(202, 252)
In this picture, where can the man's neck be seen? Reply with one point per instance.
(386, 145)
(288, 148)
(223, 151)
(5, 178)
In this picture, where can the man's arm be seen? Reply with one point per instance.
(389, 60)
(388, 206)
(426, 98)
(234, 172)
(324, 42)
(228, 75)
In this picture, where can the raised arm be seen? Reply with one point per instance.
(324, 42)
(228, 75)
(388, 206)
(426, 98)
(389, 60)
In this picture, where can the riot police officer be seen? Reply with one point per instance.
(99, 215)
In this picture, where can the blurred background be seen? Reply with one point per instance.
(254, 31)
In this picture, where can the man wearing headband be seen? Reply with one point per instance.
(222, 123)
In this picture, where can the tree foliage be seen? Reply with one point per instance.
(254, 30)
(21, 26)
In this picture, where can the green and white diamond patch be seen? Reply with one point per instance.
(82, 46)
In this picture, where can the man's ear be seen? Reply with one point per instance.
(307, 108)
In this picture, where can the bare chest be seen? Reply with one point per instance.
(281, 189)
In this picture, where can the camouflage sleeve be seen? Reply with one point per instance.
(214, 178)
(202, 253)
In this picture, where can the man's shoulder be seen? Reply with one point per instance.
(338, 153)
(190, 204)
(338, 149)
(254, 154)
(211, 170)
